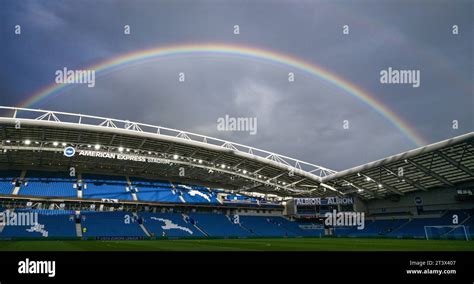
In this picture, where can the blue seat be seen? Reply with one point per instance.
(110, 224)
(169, 225)
(218, 225)
(106, 191)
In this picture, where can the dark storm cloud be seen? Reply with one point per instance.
(302, 119)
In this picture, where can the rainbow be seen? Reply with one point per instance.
(143, 56)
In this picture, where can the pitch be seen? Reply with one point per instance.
(299, 244)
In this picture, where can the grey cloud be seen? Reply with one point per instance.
(303, 119)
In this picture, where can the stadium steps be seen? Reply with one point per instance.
(17, 188)
(79, 192)
(385, 232)
(244, 228)
(395, 230)
(134, 196)
(285, 224)
(129, 183)
(78, 226)
(201, 230)
(185, 217)
(175, 190)
(247, 230)
(142, 226)
(241, 226)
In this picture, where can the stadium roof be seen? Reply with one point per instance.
(449, 163)
(37, 138)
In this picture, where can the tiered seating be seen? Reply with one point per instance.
(58, 223)
(6, 187)
(19, 232)
(52, 184)
(161, 191)
(16, 231)
(105, 187)
(93, 186)
(110, 224)
(50, 223)
(295, 228)
(47, 188)
(169, 225)
(197, 194)
(6, 181)
(416, 227)
(158, 194)
(264, 226)
(218, 225)
(378, 228)
(155, 191)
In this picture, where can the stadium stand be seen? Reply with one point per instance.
(105, 187)
(62, 224)
(94, 186)
(197, 194)
(169, 225)
(110, 224)
(431, 223)
(6, 186)
(378, 228)
(52, 184)
(416, 227)
(47, 223)
(7, 181)
(218, 225)
(158, 193)
(298, 228)
(264, 226)
(252, 196)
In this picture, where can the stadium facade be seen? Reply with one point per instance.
(95, 177)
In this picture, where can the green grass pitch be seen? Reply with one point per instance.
(290, 244)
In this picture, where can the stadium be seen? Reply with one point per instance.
(96, 183)
(224, 140)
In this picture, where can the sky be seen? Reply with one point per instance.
(303, 119)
